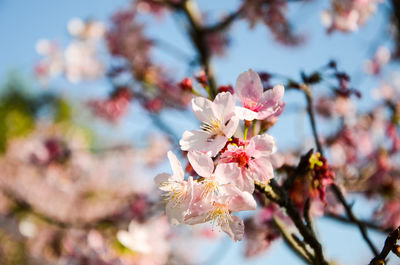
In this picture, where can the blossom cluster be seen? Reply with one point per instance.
(348, 15)
(80, 60)
(225, 164)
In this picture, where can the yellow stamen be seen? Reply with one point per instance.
(219, 214)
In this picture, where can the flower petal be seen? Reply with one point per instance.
(193, 140)
(264, 145)
(202, 108)
(262, 169)
(248, 87)
(161, 179)
(201, 163)
(176, 213)
(216, 145)
(274, 95)
(202, 141)
(234, 228)
(240, 200)
(231, 127)
(223, 106)
(245, 114)
(177, 170)
(227, 173)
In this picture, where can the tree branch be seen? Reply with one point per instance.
(336, 190)
(390, 242)
(281, 197)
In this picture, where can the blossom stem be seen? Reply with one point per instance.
(246, 129)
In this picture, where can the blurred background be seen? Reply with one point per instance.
(82, 137)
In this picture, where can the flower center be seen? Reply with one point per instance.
(176, 193)
(213, 128)
(252, 105)
(219, 214)
(210, 185)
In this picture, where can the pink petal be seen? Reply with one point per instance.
(264, 145)
(274, 95)
(227, 173)
(271, 112)
(245, 114)
(176, 213)
(262, 169)
(234, 228)
(213, 147)
(249, 87)
(243, 201)
(201, 163)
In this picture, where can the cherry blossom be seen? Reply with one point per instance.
(219, 124)
(253, 159)
(178, 192)
(257, 103)
(219, 207)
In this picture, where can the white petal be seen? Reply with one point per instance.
(245, 114)
(177, 170)
(202, 108)
(124, 238)
(193, 140)
(223, 106)
(216, 145)
(201, 163)
(176, 213)
(161, 179)
(231, 127)
(202, 141)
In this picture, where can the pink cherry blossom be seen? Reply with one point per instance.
(257, 103)
(219, 207)
(219, 124)
(214, 177)
(253, 158)
(178, 191)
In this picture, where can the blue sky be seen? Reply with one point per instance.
(22, 23)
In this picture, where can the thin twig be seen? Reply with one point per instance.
(336, 190)
(367, 224)
(339, 195)
(390, 242)
(280, 196)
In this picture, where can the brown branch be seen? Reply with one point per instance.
(293, 242)
(226, 22)
(367, 224)
(336, 190)
(339, 195)
(198, 36)
(281, 197)
(390, 243)
(311, 115)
